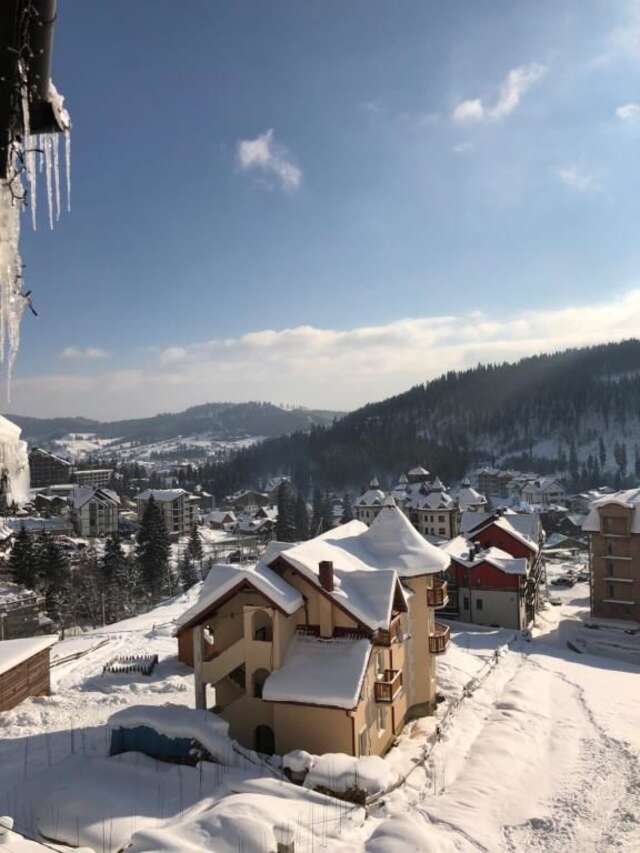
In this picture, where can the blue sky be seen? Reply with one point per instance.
(326, 202)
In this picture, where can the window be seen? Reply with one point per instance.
(382, 718)
(441, 518)
(363, 742)
(609, 568)
(441, 531)
(610, 590)
(478, 604)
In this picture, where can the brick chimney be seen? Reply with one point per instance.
(326, 575)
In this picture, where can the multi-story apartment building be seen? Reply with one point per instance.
(327, 646)
(95, 512)
(179, 509)
(47, 469)
(93, 477)
(613, 525)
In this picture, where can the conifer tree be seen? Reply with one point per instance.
(188, 572)
(316, 515)
(347, 508)
(301, 519)
(195, 548)
(55, 576)
(327, 513)
(602, 453)
(286, 523)
(152, 552)
(22, 563)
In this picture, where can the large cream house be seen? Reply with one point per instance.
(328, 645)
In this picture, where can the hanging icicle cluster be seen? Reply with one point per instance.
(19, 190)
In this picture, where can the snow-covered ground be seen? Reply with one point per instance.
(538, 751)
(78, 446)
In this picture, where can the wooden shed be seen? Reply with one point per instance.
(24, 669)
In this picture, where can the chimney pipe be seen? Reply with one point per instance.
(326, 575)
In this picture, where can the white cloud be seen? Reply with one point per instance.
(463, 148)
(323, 367)
(272, 159)
(516, 83)
(468, 111)
(576, 178)
(629, 112)
(84, 353)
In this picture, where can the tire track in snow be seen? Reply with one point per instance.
(599, 810)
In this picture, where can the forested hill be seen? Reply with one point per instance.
(576, 412)
(222, 419)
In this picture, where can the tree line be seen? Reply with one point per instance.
(117, 584)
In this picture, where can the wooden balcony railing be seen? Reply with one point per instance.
(437, 595)
(439, 640)
(393, 635)
(387, 688)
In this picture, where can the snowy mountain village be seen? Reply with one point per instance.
(410, 626)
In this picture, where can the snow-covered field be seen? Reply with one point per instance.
(538, 751)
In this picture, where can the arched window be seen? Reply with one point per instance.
(262, 626)
(259, 678)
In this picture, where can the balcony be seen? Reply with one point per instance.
(437, 596)
(439, 640)
(388, 687)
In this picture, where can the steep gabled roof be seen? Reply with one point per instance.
(224, 578)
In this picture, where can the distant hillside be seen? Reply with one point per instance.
(224, 420)
(576, 412)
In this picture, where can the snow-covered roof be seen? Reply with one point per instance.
(418, 471)
(161, 494)
(467, 497)
(320, 672)
(459, 548)
(210, 730)
(15, 652)
(372, 497)
(219, 515)
(224, 577)
(523, 526)
(83, 494)
(434, 500)
(627, 498)
(391, 543)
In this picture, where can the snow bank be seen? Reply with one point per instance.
(298, 761)
(211, 731)
(338, 772)
(407, 835)
(249, 820)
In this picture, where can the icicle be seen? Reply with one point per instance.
(47, 170)
(56, 173)
(11, 301)
(67, 154)
(40, 153)
(27, 149)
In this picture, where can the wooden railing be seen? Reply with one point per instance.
(439, 640)
(393, 635)
(387, 688)
(437, 595)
